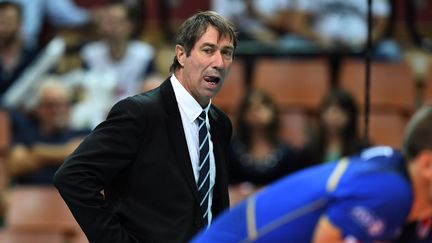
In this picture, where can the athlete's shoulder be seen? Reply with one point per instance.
(379, 154)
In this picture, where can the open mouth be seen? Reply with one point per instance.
(212, 79)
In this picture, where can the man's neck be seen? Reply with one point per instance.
(117, 49)
(422, 205)
(10, 53)
(420, 210)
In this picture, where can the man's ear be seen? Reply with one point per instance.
(180, 54)
(425, 164)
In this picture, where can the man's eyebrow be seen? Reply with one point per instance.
(231, 47)
(228, 47)
(209, 44)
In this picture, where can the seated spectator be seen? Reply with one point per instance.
(42, 137)
(94, 95)
(260, 20)
(57, 13)
(337, 132)
(128, 60)
(337, 25)
(257, 155)
(115, 67)
(14, 56)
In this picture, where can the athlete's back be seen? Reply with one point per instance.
(366, 196)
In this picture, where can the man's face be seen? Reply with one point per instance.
(335, 119)
(259, 115)
(205, 69)
(114, 24)
(9, 24)
(53, 109)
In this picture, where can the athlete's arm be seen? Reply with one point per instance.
(326, 232)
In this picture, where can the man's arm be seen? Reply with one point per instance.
(98, 160)
(326, 232)
(22, 159)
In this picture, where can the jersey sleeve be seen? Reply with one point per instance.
(371, 207)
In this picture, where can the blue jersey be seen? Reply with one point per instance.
(367, 196)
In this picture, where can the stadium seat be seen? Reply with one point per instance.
(385, 128)
(392, 84)
(233, 89)
(293, 127)
(9, 236)
(39, 209)
(5, 131)
(298, 83)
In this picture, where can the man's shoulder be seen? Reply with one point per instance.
(141, 48)
(218, 114)
(94, 47)
(147, 100)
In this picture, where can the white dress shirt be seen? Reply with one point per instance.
(190, 109)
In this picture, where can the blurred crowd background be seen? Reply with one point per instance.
(296, 92)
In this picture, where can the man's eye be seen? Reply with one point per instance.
(227, 53)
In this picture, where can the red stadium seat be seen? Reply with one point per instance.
(233, 89)
(8, 236)
(392, 85)
(39, 209)
(385, 128)
(5, 131)
(293, 127)
(293, 83)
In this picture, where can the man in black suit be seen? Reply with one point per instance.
(134, 178)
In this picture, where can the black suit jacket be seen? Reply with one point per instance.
(139, 158)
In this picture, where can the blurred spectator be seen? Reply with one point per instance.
(57, 12)
(341, 25)
(14, 57)
(42, 138)
(115, 66)
(261, 20)
(257, 155)
(128, 60)
(94, 95)
(337, 131)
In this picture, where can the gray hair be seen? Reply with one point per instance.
(48, 82)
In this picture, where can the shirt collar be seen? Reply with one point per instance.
(186, 101)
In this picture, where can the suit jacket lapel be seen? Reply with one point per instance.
(177, 136)
(220, 192)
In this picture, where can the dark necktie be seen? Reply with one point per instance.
(204, 167)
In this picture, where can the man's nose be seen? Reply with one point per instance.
(218, 61)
